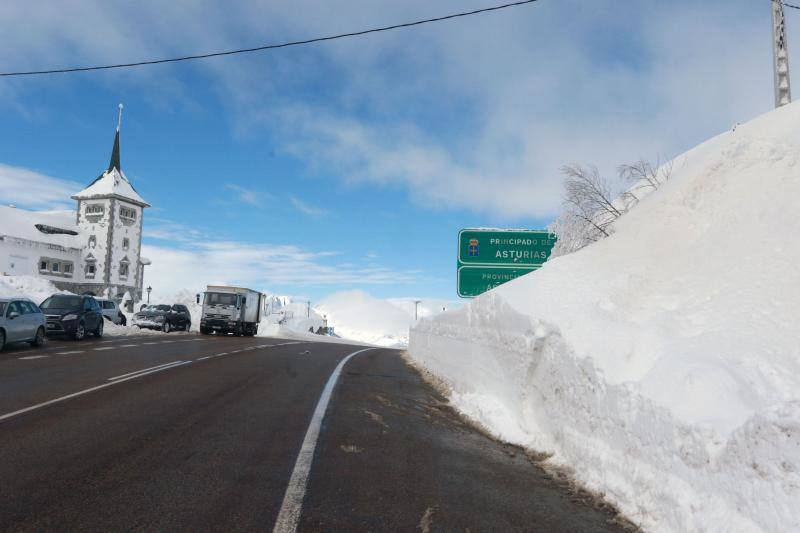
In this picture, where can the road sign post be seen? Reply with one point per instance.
(490, 257)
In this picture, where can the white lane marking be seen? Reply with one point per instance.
(104, 342)
(166, 342)
(292, 505)
(33, 357)
(145, 370)
(149, 343)
(221, 354)
(128, 345)
(204, 358)
(81, 393)
(103, 348)
(70, 353)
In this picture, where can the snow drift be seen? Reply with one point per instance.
(357, 315)
(662, 364)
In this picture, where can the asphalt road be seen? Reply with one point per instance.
(198, 433)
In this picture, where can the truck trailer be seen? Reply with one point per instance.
(230, 310)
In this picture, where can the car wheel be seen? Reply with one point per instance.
(80, 332)
(167, 327)
(2, 340)
(122, 320)
(99, 331)
(187, 326)
(39, 339)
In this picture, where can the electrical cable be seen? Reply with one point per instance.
(267, 46)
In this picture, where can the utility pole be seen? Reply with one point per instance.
(416, 304)
(308, 309)
(780, 55)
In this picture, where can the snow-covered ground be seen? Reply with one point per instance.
(354, 315)
(38, 289)
(357, 315)
(31, 287)
(662, 364)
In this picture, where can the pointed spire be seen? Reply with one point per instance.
(115, 160)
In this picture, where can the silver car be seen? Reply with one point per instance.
(111, 311)
(21, 320)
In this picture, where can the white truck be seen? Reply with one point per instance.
(230, 310)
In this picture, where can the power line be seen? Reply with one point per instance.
(267, 46)
(786, 5)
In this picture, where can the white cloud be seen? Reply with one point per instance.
(193, 264)
(476, 113)
(30, 189)
(307, 209)
(247, 196)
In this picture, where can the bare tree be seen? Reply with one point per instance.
(591, 205)
(588, 196)
(645, 175)
(590, 208)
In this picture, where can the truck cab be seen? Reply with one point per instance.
(230, 310)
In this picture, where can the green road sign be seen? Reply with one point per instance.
(475, 280)
(490, 257)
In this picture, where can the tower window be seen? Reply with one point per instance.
(90, 270)
(123, 270)
(126, 243)
(56, 267)
(95, 209)
(127, 212)
(92, 241)
(43, 265)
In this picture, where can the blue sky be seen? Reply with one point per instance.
(353, 164)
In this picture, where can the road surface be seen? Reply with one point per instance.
(199, 433)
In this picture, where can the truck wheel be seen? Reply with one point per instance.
(167, 327)
(203, 331)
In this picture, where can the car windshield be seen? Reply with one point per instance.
(220, 298)
(156, 308)
(62, 302)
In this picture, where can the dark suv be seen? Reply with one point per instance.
(163, 317)
(74, 316)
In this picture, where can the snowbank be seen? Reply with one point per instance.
(662, 365)
(31, 287)
(357, 315)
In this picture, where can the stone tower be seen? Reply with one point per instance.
(110, 213)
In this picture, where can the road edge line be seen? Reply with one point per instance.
(292, 505)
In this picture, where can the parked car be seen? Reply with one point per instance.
(73, 316)
(112, 312)
(164, 317)
(21, 320)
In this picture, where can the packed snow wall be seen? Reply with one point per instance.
(662, 364)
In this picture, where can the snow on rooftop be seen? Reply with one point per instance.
(21, 223)
(111, 183)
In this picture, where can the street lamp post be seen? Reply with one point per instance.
(149, 288)
(416, 305)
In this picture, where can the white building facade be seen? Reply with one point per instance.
(95, 250)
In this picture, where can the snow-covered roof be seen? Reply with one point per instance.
(21, 223)
(111, 183)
